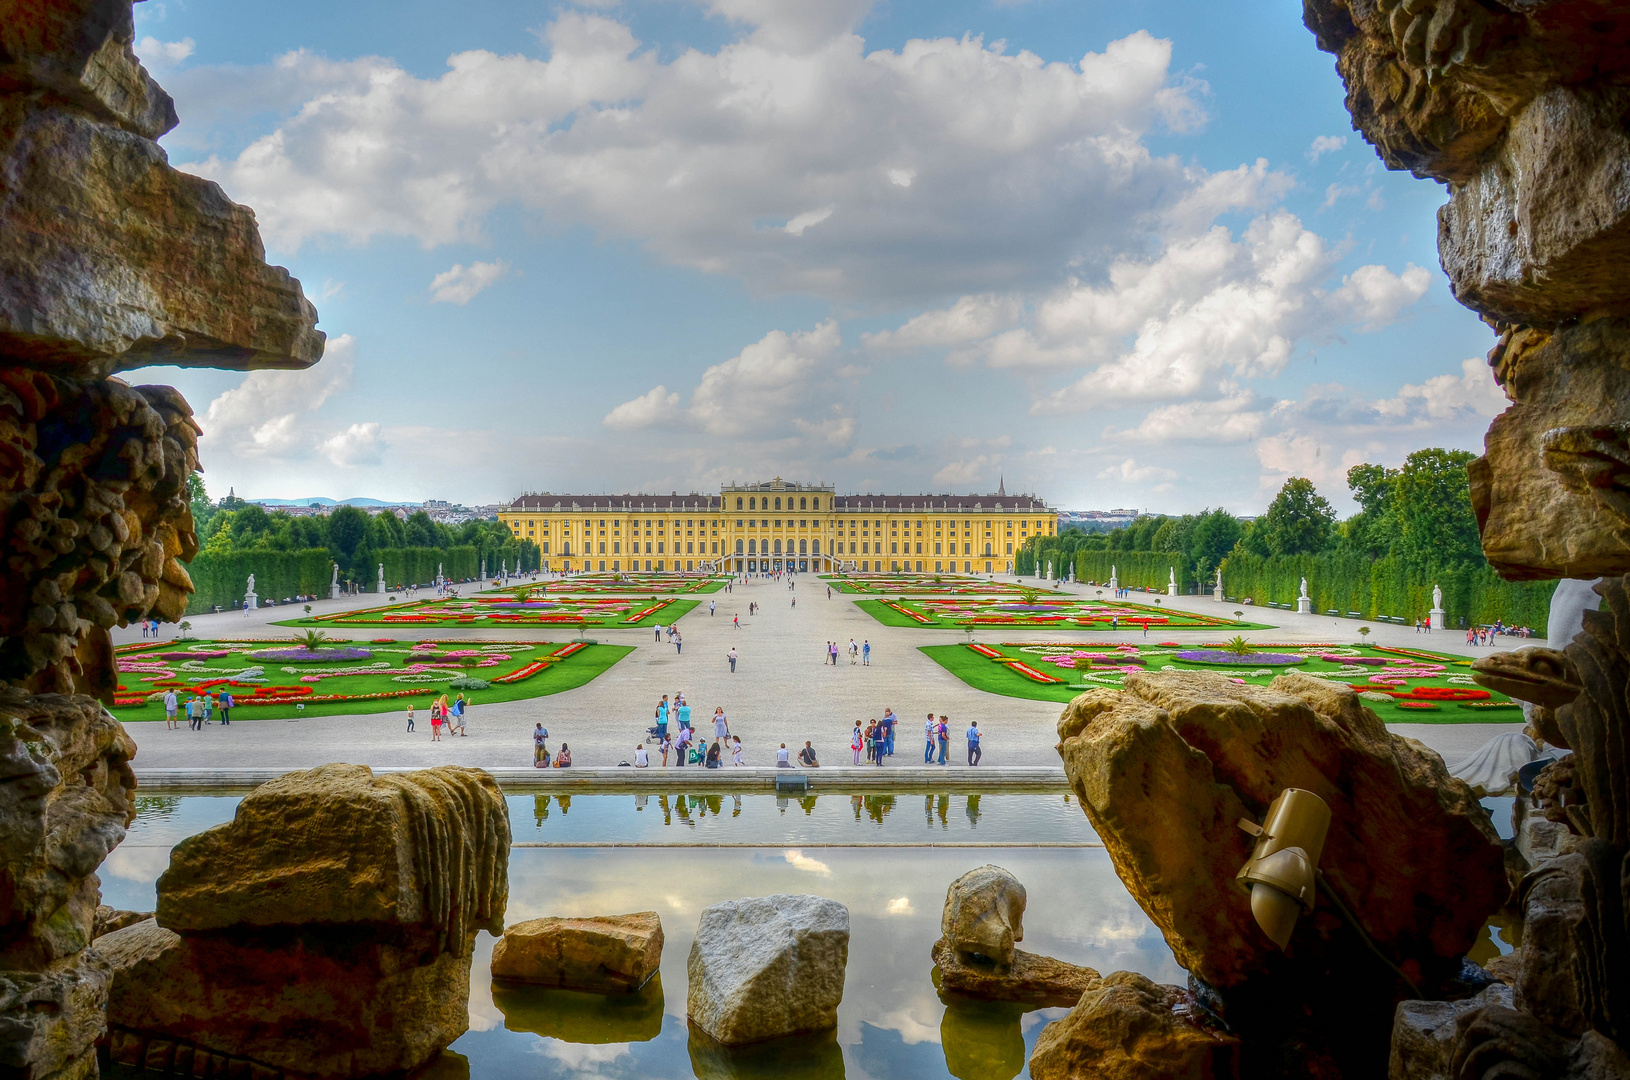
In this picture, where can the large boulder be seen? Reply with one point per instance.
(358, 896)
(1166, 768)
(1129, 1028)
(984, 915)
(1423, 1034)
(609, 953)
(769, 966)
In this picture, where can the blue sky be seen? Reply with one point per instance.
(1123, 254)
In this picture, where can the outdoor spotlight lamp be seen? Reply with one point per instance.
(1282, 872)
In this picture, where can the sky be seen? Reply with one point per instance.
(1122, 254)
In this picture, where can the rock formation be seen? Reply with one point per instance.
(358, 896)
(764, 967)
(109, 260)
(612, 953)
(982, 918)
(1519, 107)
(1128, 1028)
(1165, 769)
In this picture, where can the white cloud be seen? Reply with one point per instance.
(1325, 144)
(1472, 394)
(161, 54)
(1245, 187)
(798, 860)
(967, 474)
(266, 413)
(1374, 296)
(649, 409)
(1236, 418)
(358, 444)
(901, 905)
(766, 383)
(1131, 472)
(725, 161)
(969, 319)
(461, 284)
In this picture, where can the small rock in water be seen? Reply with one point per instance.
(984, 915)
(609, 953)
(764, 967)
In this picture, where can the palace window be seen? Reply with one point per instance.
(545, 547)
(815, 546)
(814, 504)
(738, 523)
(778, 547)
(803, 547)
(602, 547)
(752, 547)
(616, 548)
(802, 504)
(851, 547)
(738, 502)
(778, 503)
(659, 547)
(738, 547)
(752, 504)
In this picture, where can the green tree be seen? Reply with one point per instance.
(1430, 499)
(420, 531)
(1300, 521)
(1214, 535)
(347, 527)
(1372, 531)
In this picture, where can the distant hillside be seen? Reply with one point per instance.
(321, 501)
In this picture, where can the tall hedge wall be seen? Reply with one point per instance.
(220, 579)
(1346, 583)
(1134, 569)
(417, 565)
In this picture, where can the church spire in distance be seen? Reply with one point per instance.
(1001, 486)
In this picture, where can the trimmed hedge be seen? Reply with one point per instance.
(1347, 583)
(220, 579)
(1134, 569)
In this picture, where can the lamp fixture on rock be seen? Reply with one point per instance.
(1282, 873)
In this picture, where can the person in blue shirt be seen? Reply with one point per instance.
(866, 661)
(889, 720)
(684, 715)
(974, 753)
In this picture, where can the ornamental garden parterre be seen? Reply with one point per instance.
(1399, 685)
(938, 584)
(515, 610)
(272, 680)
(1040, 610)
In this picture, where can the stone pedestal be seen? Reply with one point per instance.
(1437, 618)
(334, 591)
(252, 601)
(1304, 605)
(1171, 589)
(382, 587)
(1217, 594)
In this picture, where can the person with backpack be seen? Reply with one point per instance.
(227, 703)
(563, 760)
(857, 741)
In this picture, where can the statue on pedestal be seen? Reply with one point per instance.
(334, 584)
(1304, 603)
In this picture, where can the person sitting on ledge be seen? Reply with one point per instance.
(563, 760)
(782, 758)
(714, 754)
(806, 756)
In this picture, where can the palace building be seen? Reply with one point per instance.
(779, 525)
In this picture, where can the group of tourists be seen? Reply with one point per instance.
(858, 654)
(199, 709)
(443, 713)
(675, 735)
(1485, 635)
(540, 751)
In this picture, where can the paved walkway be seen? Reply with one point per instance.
(782, 690)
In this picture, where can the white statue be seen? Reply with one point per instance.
(335, 582)
(1437, 598)
(1219, 577)
(1304, 589)
(250, 589)
(1172, 578)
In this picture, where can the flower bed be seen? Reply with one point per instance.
(310, 656)
(1052, 610)
(1250, 659)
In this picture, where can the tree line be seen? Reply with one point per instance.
(295, 555)
(1414, 528)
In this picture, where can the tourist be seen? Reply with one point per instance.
(854, 653)
(974, 752)
(806, 756)
(681, 747)
(794, 601)
(879, 742)
(457, 715)
(735, 621)
(660, 728)
(889, 722)
(656, 633)
(731, 656)
(857, 741)
(206, 704)
(721, 725)
(410, 716)
(683, 710)
(187, 708)
(539, 734)
(662, 712)
(866, 654)
(829, 592)
(712, 607)
(714, 755)
(931, 733)
(170, 707)
(563, 760)
(942, 731)
(227, 703)
(435, 721)
(736, 752)
(679, 642)
(665, 744)
(641, 759)
(782, 758)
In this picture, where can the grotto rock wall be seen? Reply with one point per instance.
(109, 260)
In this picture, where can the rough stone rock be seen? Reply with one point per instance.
(1040, 981)
(110, 919)
(97, 518)
(1424, 1034)
(610, 953)
(765, 967)
(337, 844)
(357, 896)
(50, 1021)
(347, 1004)
(577, 1016)
(1552, 490)
(65, 804)
(1128, 1028)
(1167, 766)
(984, 915)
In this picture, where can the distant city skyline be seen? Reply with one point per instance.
(1125, 255)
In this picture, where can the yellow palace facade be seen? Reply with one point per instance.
(779, 525)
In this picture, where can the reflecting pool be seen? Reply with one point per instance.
(892, 1023)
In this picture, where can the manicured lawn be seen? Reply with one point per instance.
(1403, 685)
(627, 585)
(537, 612)
(416, 672)
(1062, 612)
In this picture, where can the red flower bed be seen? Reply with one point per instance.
(985, 650)
(576, 646)
(523, 673)
(1031, 673)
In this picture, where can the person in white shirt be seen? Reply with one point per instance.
(783, 760)
(735, 751)
(931, 733)
(641, 758)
